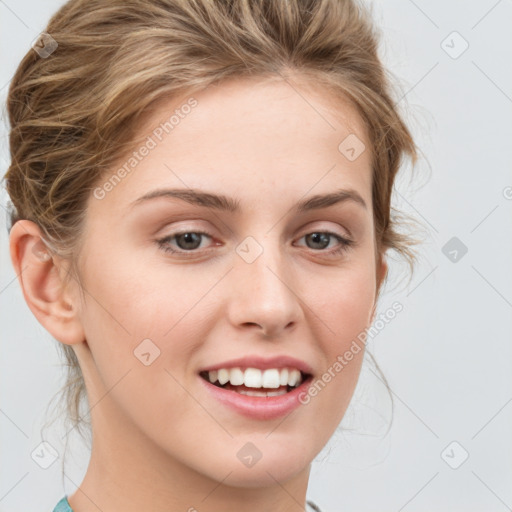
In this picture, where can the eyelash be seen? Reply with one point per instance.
(163, 243)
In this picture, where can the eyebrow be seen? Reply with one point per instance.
(224, 203)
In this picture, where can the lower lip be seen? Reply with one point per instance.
(259, 407)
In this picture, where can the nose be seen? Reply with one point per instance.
(263, 295)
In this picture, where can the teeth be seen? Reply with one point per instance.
(276, 393)
(294, 378)
(223, 376)
(236, 376)
(271, 378)
(252, 378)
(262, 393)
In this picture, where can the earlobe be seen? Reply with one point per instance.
(40, 278)
(382, 272)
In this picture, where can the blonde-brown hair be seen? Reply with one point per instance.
(74, 113)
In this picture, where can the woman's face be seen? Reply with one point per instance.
(263, 286)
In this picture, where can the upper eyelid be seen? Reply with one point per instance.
(339, 222)
(209, 234)
(207, 231)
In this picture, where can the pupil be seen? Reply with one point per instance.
(187, 237)
(324, 237)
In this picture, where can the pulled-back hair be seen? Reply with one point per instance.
(73, 113)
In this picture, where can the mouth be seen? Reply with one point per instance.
(255, 382)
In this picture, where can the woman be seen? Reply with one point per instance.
(201, 197)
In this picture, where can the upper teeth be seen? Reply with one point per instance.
(255, 378)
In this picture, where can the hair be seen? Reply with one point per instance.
(74, 114)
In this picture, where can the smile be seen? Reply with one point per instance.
(257, 393)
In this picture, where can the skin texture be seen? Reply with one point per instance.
(160, 442)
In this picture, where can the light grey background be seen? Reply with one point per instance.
(447, 356)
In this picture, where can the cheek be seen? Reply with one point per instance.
(126, 318)
(153, 399)
(128, 297)
(345, 305)
(345, 310)
(132, 310)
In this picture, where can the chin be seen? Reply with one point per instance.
(279, 464)
(264, 475)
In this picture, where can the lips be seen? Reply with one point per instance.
(260, 388)
(273, 404)
(283, 372)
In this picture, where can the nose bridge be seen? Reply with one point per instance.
(262, 290)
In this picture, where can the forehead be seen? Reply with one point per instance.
(248, 137)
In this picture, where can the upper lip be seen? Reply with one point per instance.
(263, 363)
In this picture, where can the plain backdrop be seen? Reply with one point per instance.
(447, 355)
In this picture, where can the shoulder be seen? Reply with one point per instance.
(63, 506)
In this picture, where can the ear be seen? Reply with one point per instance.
(40, 274)
(382, 271)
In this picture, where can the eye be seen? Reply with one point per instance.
(322, 239)
(187, 241)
